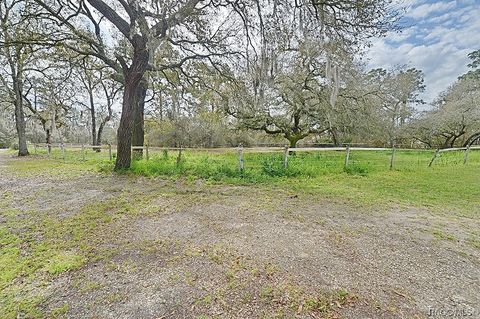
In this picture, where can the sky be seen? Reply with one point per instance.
(436, 38)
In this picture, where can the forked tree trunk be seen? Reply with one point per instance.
(293, 142)
(294, 138)
(133, 76)
(138, 136)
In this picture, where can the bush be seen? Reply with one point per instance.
(14, 146)
(106, 166)
(273, 167)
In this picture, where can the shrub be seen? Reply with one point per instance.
(273, 166)
(106, 166)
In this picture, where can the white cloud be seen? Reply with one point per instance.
(438, 45)
(426, 9)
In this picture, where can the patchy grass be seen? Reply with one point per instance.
(442, 235)
(366, 181)
(43, 246)
(64, 261)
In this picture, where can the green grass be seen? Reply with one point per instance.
(448, 186)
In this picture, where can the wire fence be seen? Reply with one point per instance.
(272, 161)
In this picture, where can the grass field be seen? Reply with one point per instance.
(448, 186)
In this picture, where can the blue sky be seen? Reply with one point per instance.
(436, 38)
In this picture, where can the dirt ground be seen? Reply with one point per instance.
(193, 250)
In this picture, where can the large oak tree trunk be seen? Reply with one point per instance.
(293, 142)
(138, 136)
(133, 77)
(293, 138)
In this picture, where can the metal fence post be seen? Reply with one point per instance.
(146, 151)
(110, 151)
(240, 158)
(434, 157)
(83, 152)
(285, 157)
(465, 158)
(179, 157)
(347, 155)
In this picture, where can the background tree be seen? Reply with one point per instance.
(398, 93)
(97, 95)
(291, 86)
(455, 117)
(15, 57)
(154, 27)
(142, 29)
(289, 102)
(7, 119)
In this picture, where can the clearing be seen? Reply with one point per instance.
(75, 243)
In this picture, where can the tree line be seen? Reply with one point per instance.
(214, 71)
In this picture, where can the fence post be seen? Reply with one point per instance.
(62, 147)
(434, 157)
(49, 149)
(285, 157)
(240, 158)
(83, 152)
(179, 157)
(392, 159)
(110, 151)
(465, 158)
(146, 151)
(347, 156)
(35, 147)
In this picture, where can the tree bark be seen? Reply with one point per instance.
(333, 134)
(100, 130)
(293, 142)
(138, 135)
(21, 128)
(447, 142)
(294, 138)
(92, 115)
(472, 139)
(133, 77)
(455, 138)
(48, 139)
(20, 124)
